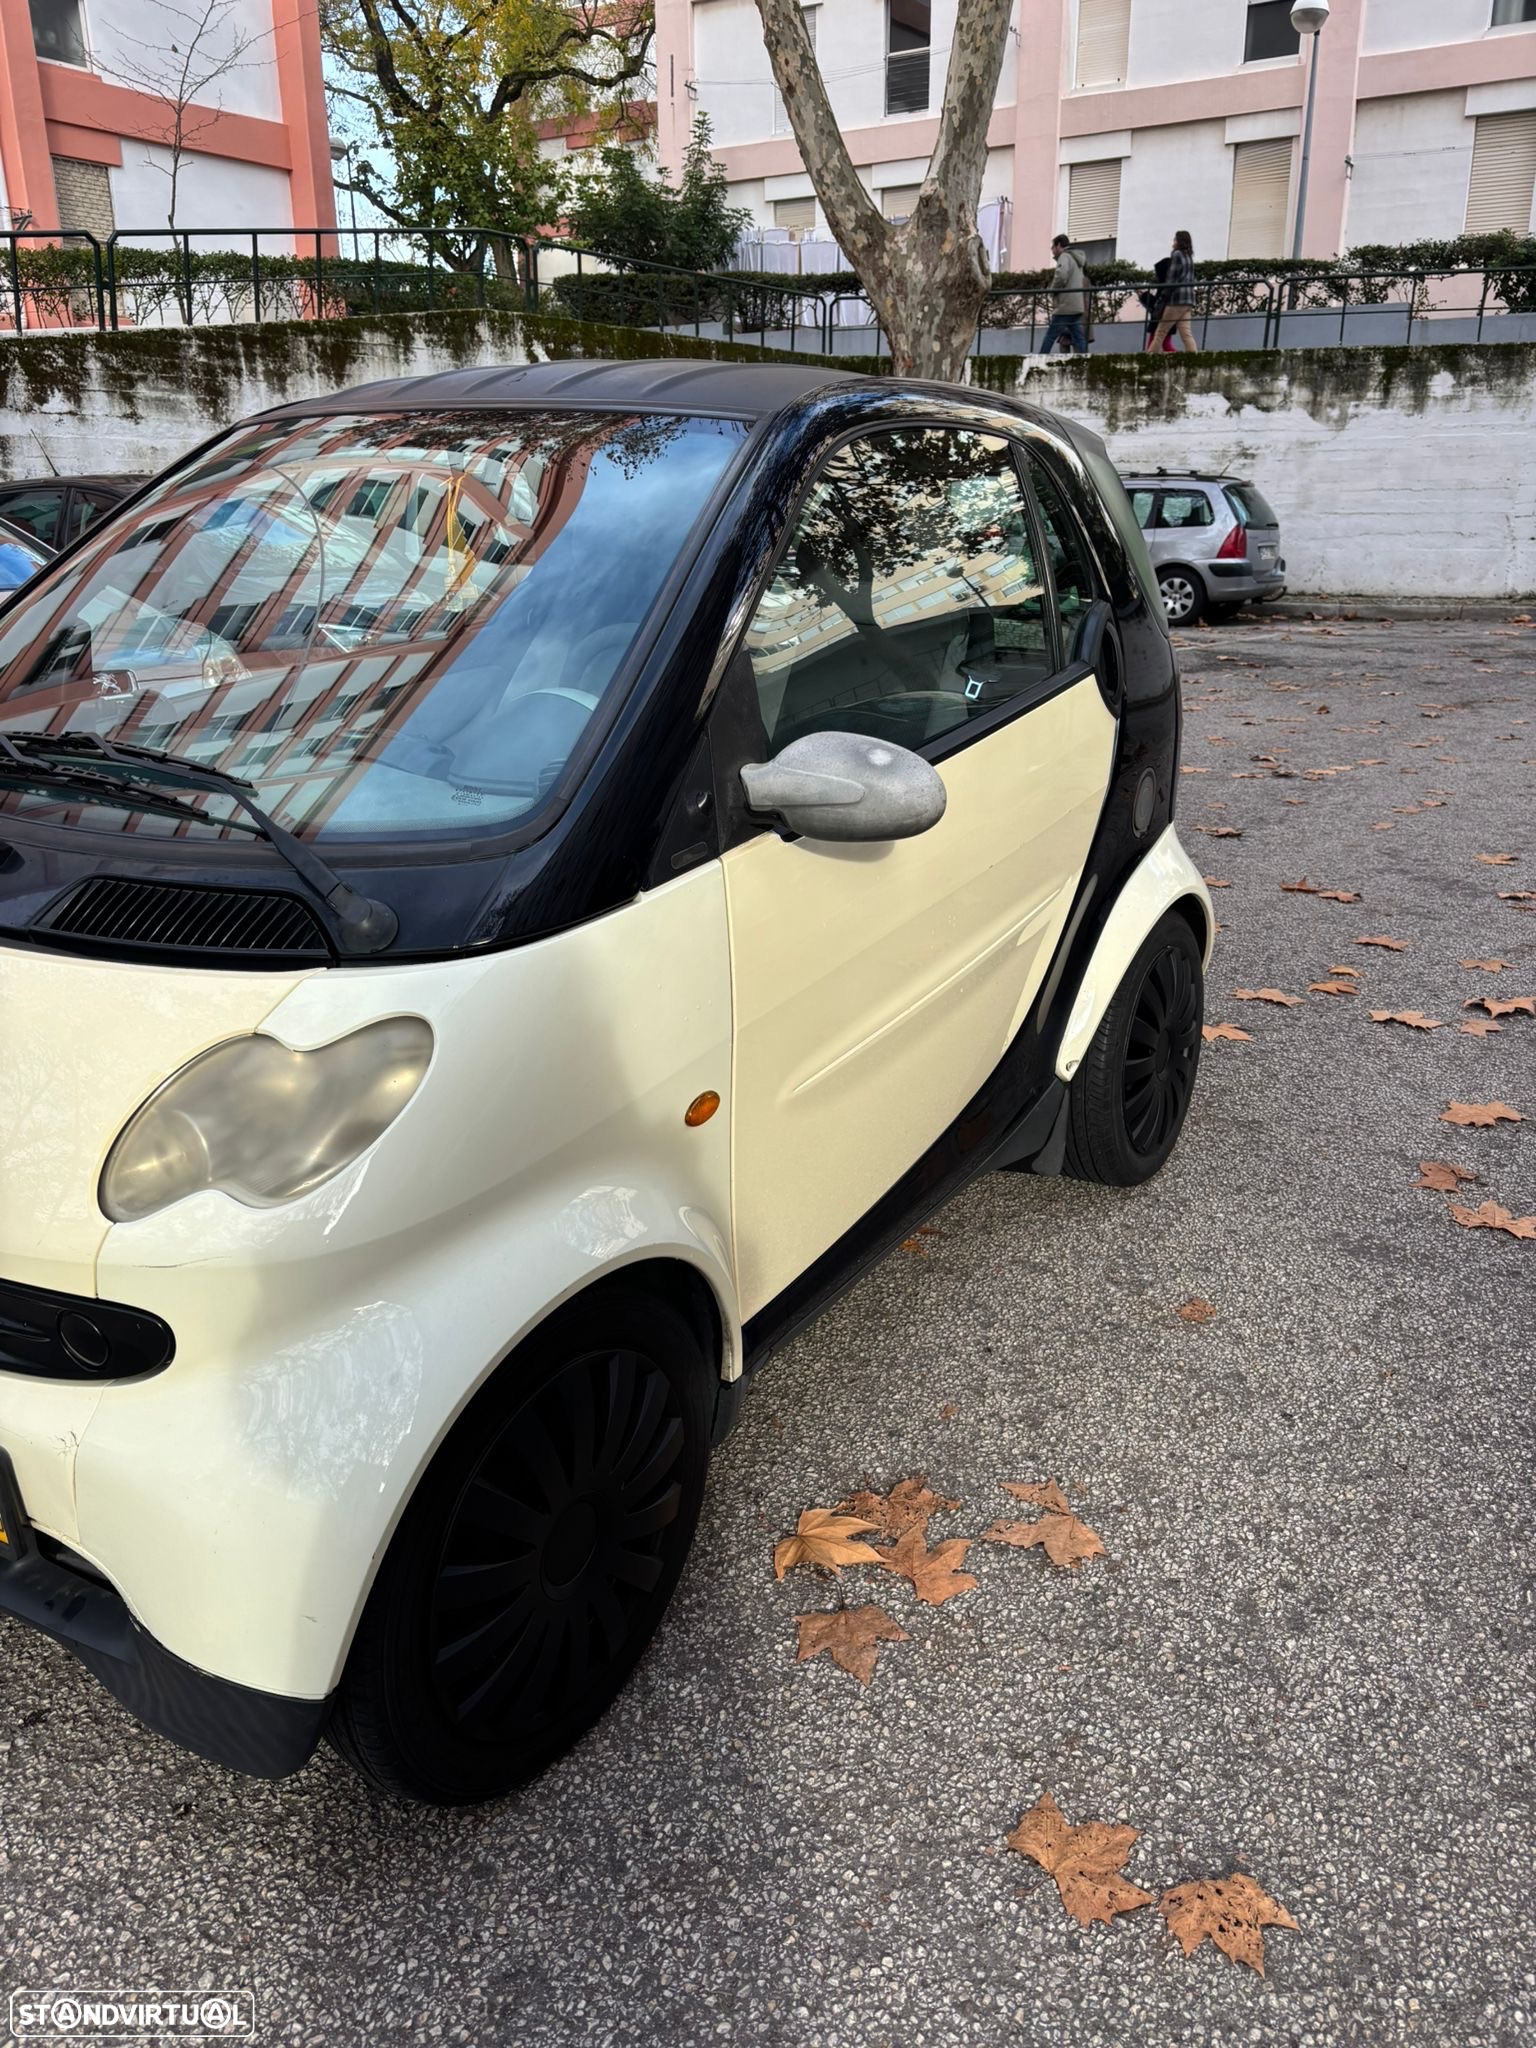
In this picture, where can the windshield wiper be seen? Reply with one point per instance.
(91, 765)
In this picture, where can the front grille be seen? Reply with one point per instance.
(187, 917)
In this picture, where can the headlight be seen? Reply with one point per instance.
(262, 1123)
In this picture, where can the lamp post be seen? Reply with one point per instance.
(1308, 18)
(341, 152)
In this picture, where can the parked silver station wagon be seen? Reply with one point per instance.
(1214, 542)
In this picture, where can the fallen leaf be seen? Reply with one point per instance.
(908, 1505)
(1086, 1861)
(935, 1574)
(1517, 895)
(1513, 1006)
(1195, 1310)
(1267, 995)
(1387, 945)
(1211, 1031)
(824, 1537)
(1222, 831)
(949, 1411)
(1480, 1115)
(1232, 1910)
(1332, 988)
(1441, 1177)
(1487, 966)
(1211, 882)
(1337, 896)
(1194, 771)
(851, 1637)
(1491, 1217)
(1301, 888)
(1479, 1027)
(1497, 860)
(1043, 1493)
(1065, 1539)
(1352, 972)
(1414, 1019)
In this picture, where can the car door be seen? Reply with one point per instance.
(876, 986)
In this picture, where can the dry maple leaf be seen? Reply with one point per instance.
(1441, 1177)
(1479, 1027)
(1211, 882)
(1066, 1540)
(908, 1505)
(1338, 896)
(1233, 1911)
(1480, 1115)
(1388, 945)
(851, 1637)
(1332, 988)
(1044, 1493)
(1086, 1861)
(1212, 1031)
(1267, 995)
(1301, 888)
(1414, 1019)
(1352, 972)
(1491, 1217)
(823, 1537)
(1515, 1006)
(935, 1575)
(1195, 1310)
(1487, 966)
(1496, 860)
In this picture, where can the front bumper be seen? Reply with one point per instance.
(259, 1733)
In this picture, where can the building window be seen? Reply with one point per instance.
(781, 120)
(1511, 13)
(1103, 43)
(1503, 186)
(1093, 209)
(57, 31)
(1270, 33)
(908, 41)
(897, 202)
(798, 215)
(1261, 195)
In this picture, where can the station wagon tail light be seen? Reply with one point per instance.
(261, 1122)
(1235, 547)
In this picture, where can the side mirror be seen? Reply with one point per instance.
(844, 785)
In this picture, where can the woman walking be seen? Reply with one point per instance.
(1178, 298)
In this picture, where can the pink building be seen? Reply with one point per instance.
(84, 133)
(1121, 120)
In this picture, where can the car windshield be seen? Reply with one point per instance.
(19, 560)
(390, 626)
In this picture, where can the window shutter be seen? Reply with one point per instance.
(796, 214)
(1503, 174)
(1093, 201)
(899, 202)
(1261, 194)
(1103, 41)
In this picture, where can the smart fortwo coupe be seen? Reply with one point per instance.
(515, 887)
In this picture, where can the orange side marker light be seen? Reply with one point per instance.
(701, 1109)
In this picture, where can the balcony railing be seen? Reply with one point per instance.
(906, 81)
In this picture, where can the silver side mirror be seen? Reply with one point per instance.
(844, 785)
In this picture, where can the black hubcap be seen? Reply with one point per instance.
(556, 1543)
(1160, 1057)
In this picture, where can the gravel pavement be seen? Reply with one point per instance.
(1308, 1654)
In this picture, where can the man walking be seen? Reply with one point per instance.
(1068, 300)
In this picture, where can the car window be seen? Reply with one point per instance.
(908, 601)
(18, 562)
(85, 508)
(1142, 504)
(1251, 506)
(1072, 570)
(37, 510)
(1179, 509)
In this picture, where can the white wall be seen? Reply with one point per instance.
(1178, 177)
(214, 191)
(1413, 164)
(1174, 39)
(129, 38)
(1417, 24)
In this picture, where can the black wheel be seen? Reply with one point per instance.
(1130, 1096)
(1183, 595)
(536, 1558)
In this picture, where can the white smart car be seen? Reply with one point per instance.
(515, 888)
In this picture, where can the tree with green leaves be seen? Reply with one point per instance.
(622, 210)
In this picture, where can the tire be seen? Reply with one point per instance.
(1131, 1094)
(1184, 597)
(536, 1558)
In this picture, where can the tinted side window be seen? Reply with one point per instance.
(909, 600)
(85, 508)
(1071, 563)
(37, 510)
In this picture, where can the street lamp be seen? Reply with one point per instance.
(1308, 18)
(341, 152)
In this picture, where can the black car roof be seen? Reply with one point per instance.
(748, 391)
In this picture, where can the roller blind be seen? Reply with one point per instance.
(1093, 202)
(1103, 41)
(1503, 174)
(1261, 192)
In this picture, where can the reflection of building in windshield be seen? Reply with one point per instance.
(280, 622)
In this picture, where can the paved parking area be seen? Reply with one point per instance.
(1309, 1651)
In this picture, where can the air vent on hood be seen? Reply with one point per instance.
(184, 917)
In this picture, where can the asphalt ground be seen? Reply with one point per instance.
(1307, 1654)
